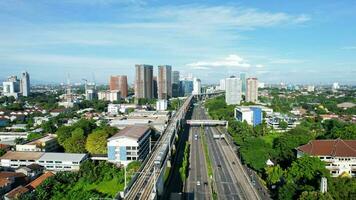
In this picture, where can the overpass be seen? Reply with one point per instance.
(206, 122)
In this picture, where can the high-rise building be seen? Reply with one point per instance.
(155, 87)
(186, 87)
(222, 84)
(175, 83)
(11, 87)
(252, 90)
(25, 84)
(196, 86)
(90, 91)
(144, 82)
(164, 82)
(243, 82)
(119, 83)
(233, 90)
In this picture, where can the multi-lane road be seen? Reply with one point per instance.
(229, 179)
(197, 185)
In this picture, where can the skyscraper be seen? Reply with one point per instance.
(243, 82)
(186, 87)
(252, 90)
(164, 81)
(175, 83)
(222, 84)
(25, 84)
(144, 81)
(119, 83)
(196, 86)
(155, 87)
(11, 87)
(233, 90)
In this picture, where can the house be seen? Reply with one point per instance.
(129, 144)
(9, 180)
(15, 159)
(31, 171)
(47, 143)
(62, 161)
(339, 155)
(38, 181)
(16, 193)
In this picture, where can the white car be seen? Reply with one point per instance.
(198, 183)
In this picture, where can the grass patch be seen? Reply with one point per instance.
(206, 152)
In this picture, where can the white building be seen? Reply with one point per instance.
(112, 95)
(196, 86)
(310, 88)
(339, 155)
(113, 109)
(252, 90)
(233, 90)
(252, 115)
(50, 161)
(130, 144)
(11, 87)
(335, 86)
(62, 161)
(222, 84)
(162, 105)
(45, 144)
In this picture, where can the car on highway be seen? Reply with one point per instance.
(198, 183)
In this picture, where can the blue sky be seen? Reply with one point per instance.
(300, 41)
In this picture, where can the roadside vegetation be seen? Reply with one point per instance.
(289, 178)
(94, 180)
(184, 169)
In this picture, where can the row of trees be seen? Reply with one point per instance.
(183, 170)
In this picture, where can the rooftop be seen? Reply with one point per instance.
(132, 131)
(335, 148)
(38, 181)
(16, 155)
(43, 139)
(75, 157)
(15, 193)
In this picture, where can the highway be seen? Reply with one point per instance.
(229, 179)
(197, 183)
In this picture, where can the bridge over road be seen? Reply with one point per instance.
(207, 122)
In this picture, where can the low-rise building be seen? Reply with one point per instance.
(11, 136)
(14, 159)
(252, 115)
(62, 161)
(9, 180)
(275, 122)
(130, 144)
(339, 155)
(47, 143)
(31, 171)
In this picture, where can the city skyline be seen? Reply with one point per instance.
(295, 42)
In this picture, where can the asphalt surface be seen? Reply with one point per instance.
(197, 183)
(230, 181)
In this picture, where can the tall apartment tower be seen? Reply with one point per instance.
(144, 82)
(196, 86)
(233, 87)
(252, 90)
(175, 83)
(164, 81)
(119, 83)
(243, 82)
(25, 84)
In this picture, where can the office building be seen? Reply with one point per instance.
(243, 82)
(155, 87)
(11, 87)
(251, 90)
(196, 86)
(339, 155)
(119, 83)
(144, 82)
(233, 90)
(252, 115)
(175, 84)
(311, 88)
(25, 84)
(186, 87)
(129, 144)
(112, 95)
(164, 82)
(90, 91)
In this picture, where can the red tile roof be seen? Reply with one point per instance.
(335, 148)
(38, 181)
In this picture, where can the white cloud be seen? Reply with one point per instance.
(232, 60)
(259, 66)
(285, 61)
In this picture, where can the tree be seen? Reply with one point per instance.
(76, 143)
(49, 127)
(96, 142)
(19, 141)
(63, 133)
(274, 174)
(342, 188)
(314, 195)
(2, 152)
(255, 152)
(283, 125)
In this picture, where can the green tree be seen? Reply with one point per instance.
(63, 133)
(274, 174)
(2, 152)
(255, 152)
(96, 142)
(314, 195)
(283, 125)
(76, 143)
(49, 127)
